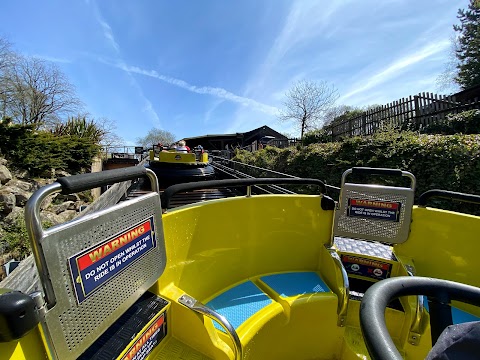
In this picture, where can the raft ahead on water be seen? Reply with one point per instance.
(249, 277)
(172, 167)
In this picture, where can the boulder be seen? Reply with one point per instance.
(14, 215)
(69, 197)
(7, 201)
(49, 217)
(48, 201)
(5, 174)
(65, 216)
(61, 173)
(3, 161)
(21, 196)
(25, 186)
(67, 205)
(21, 174)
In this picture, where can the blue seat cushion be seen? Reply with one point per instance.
(458, 316)
(295, 283)
(239, 303)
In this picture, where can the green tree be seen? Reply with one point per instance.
(468, 51)
(156, 136)
(81, 127)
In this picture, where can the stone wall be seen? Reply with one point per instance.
(15, 189)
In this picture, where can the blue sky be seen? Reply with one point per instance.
(216, 66)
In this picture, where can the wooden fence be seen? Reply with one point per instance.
(414, 112)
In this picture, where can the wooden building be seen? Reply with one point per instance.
(262, 134)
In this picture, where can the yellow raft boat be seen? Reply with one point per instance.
(249, 277)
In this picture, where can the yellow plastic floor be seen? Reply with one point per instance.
(174, 349)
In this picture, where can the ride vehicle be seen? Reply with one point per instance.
(248, 277)
(173, 167)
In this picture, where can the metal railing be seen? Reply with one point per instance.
(238, 169)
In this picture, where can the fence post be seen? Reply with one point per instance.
(417, 111)
(364, 123)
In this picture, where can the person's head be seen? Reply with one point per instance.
(181, 143)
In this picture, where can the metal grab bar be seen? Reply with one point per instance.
(345, 296)
(199, 307)
(35, 230)
(415, 327)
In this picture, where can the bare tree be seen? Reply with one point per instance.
(41, 92)
(446, 80)
(7, 60)
(306, 103)
(156, 136)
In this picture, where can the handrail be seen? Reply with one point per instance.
(345, 296)
(415, 327)
(220, 159)
(199, 307)
(380, 171)
(450, 195)
(174, 189)
(74, 183)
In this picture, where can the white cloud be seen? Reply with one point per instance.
(305, 21)
(204, 90)
(52, 59)
(395, 68)
(108, 34)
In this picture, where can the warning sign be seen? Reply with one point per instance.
(366, 267)
(93, 267)
(147, 340)
(372, 209)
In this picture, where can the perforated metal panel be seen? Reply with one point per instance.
(72, 325)
(374, 228)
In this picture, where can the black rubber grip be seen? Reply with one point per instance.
(450, 195)
(372, 308)
(376, 171)
(174, 189)
(77, 183)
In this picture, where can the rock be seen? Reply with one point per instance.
(49, 217)
(61, 173)
(3, 161)
(16, 213)
(69, 197)
(37, 184)
(65, 216)
(21, 196)
(7, 201)
(21, 174)
(5, 174)
(48, 201)
(67, 205)
(25, 186)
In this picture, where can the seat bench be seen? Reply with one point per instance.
(241, 302)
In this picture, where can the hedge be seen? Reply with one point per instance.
(450, 162)
(39, 151)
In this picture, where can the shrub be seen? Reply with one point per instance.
(40, 151)
(444, 162)
(466, 122)
(319, 136)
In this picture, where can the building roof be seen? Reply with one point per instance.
(220, 141)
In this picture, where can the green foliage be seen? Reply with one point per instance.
(16, 238)
(40, 151)
(319, 136)
(468, 51)
(80, 127)
(466, 122)
(444, 162)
